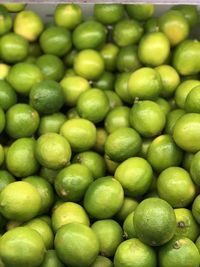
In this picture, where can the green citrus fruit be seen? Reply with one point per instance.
(51, 123)
(51, 259)
(189, 12)
(4, 69)
(6, 22)
(196, 208)
(102, 261)
(2, 120)
(171, 119)
(14, 7)
(129, 205)
(108, 13)
(109, 54)
(106, 81)
(100, 140)
(6, 179)
(128, 226)
(140, 12)
(192, 100)
(121, 87)
(195, 167)
(113, 99)
(8, 96)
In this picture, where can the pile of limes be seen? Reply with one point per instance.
(99, 137)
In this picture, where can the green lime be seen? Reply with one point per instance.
(195, 167)
(187, 161)
(6, 179)
(192, 100)
(51, 123)
(154, 221)
(48, 174)
(108, 13)
(106, 81)
(113, 99)
(52, 150)
(164, 105)
(121, 87)
(68, 212)
(28, 24)
(2, 120)
(109, 234)
(73, 86)
(21, 121)
(190, 12)
(128, 226)
(134, 253)
(51, 259)
(175, 185)
(109, 54)
(100, 140)
(102, 261)
(6, 22)
(129, 205)
(151, 25)
(68, 59)
(93, 161)
(89, 64)
(22, 76)
(145, 83)
(2, 155)
(149, 46)
(111, 165)
(8, 96)
(140, 11)
(4, 69)
(72, 113)
(80, 133)
(89, 35)
(56, 40)
(20, 157)
(76, 245)
(135, 175)
(47, 97)
(12, 200)
(196, 208)
(22, 247)
(144, 148)
(104, 192)
(34, 49)
(171, 119)
(14, 7)
(68, 15)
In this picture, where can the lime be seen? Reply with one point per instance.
(163, 153)
(13, 47)
(100, 140)
(45, 191)
(72, 182)
(147, 118)
(73, 86)
(175, 185)
(89, 64)
(28, 24)
(68, 59)
(108, 13)
(89, 35)
(121, 87)
(93, 105)
(174, 25)
(187, 160)
(145, 83)
(186, 132)
(51, 67)
(164, 105)
(22, 76)
(113, 99)
(140, 12)
(14, 7)
(72, 113)
(6, 21)
(151, 25)
(129, 205)
(192, 100)
(109, 54)
(68, 15)
(109, 234)
(111, 165)
(20, 158)
(106, 81)
(51, 123)
(171, 119)
(22, 240)
(195, 167)
(69, 212)
(93, 161)
(21, 121)
(12, 200)
(4, 69)
(186, 57)
(154, 221)
(46, 97)
(51, 259)
(34, 49)
(186, 226)
(2, 156)
(80, 133)
(48, 174)
(2, 120)
(180, 251)
(134, 253)
(8, 96)
(104, 192)
(73, 236)
(56, 40)
(144, 148)
(102, 261)
(149, 46)
(196, 208)
(6, 179)
(135, 175)
(52, 150)
(128, 226)
(190, 12)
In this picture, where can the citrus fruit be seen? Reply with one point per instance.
(100, 140)
(8, 96)
(2, 120)
(104, 192)
(69, 212)
(147, 118)
(56, 40)
(89, 64)
(192, 100)
(108, 13)
(171, 119)
(28, 24)
(20, 157)
(48, 174)
(134, 253)
(122, 143)
(109, 234)
(51, 259)
(196, 208)
(72, 182)
(163, 153)
(121, 87)
(113, 99)
(93, 105)
(149, 46)
(73, 236)
(140, 11)
(145, 83)
(151, 25)
(80, 133)
(128, 226)
(180, 251)
(189, 12)
(21, 121)
(18, 241)
(194, 168)
(109, 54)
(72, 87)
(164, 105)
(186, 226)
(105, 81)
(6, 21)
(4, 69)
(51, 123)
(68, 15)
(127, 207)
(175, 185)
(154, 221)
(52, 150)
(111, 165)
(89, 35)
(14, 7)
(93, 161)
(135, 176)
(2, 156)
(186, 132)
(46, 97)
(102, 261)
(187, 160)
(6, 179)
(12, 200)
